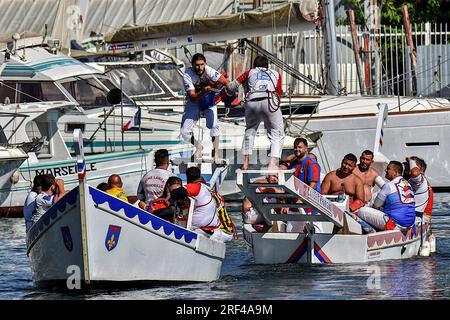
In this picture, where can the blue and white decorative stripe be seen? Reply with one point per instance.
(131, 211)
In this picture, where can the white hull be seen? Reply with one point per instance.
(146, 248)
(419, 127)
(423, 134)
(131, 166)
(272, 248)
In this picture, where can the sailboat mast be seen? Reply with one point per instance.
(332, 85)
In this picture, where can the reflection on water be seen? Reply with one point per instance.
(417, 278)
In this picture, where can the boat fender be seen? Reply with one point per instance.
(15, 177)
(432, 240)
(424, 250)
(356, 204)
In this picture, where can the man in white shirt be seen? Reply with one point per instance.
(152, 183)
(29, 207)
(52, 191)
(199, 83)
(262, 95)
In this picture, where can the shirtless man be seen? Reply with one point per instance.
(343, 179)
(368, 174)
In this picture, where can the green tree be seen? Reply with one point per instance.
(420, 11)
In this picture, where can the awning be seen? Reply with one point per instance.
(289, 17)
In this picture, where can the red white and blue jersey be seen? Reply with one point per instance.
(397, 199)
(307, 170)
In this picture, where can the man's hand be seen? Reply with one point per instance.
(59, 183)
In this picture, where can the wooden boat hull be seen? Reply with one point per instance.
(122, 244)
(277, 247)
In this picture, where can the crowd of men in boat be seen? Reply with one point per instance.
(404, 199)
(160, 192)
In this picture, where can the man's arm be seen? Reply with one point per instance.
(196, 96)
(326, 184)
(381, 197)
(289, 158)
(60, 191)
(313, 174)
(233, 86)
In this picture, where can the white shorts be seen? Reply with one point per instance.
(192, 115)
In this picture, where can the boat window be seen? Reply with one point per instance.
(44, 91)
(87, 92)
(7, 92)
(72, 126)
(107, 83)
(39, 130)
(137, 82)
(31, 92)
(170, 74)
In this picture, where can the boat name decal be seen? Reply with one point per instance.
(66, 170)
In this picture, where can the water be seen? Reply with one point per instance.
(417, 278)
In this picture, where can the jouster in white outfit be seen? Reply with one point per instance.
(152, 184)
(423, 195)
(204, 208)
(263, 89)
(192, 109)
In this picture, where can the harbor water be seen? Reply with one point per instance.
(416, 278)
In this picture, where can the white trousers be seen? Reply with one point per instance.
(192, 115)
(374, 217)
(255, 112)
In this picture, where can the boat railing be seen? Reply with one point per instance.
(287, 191)
(12, 119)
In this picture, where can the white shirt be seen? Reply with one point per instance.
(29, 209)
(190, 79)
(43, 203)
(152, 184)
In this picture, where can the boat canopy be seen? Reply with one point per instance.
(290, 17)
(37, 64)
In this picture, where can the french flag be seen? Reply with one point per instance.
(135, 121)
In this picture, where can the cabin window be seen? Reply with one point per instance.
(38, 130)
(107, 83)
(171, 76)
(7, 92)
(72, 126)
(137, 82)
(36, 92)
(87, 92)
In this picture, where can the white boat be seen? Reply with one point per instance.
(10, 160)
(105, 239)
(342, 239)
(51, 78)
(29, 122)
(415, 126)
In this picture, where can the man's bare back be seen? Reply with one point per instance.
(368, 178)
(352, 184)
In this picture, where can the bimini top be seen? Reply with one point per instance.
(37, 64)
(286, 17)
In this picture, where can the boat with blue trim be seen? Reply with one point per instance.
(95, 237)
